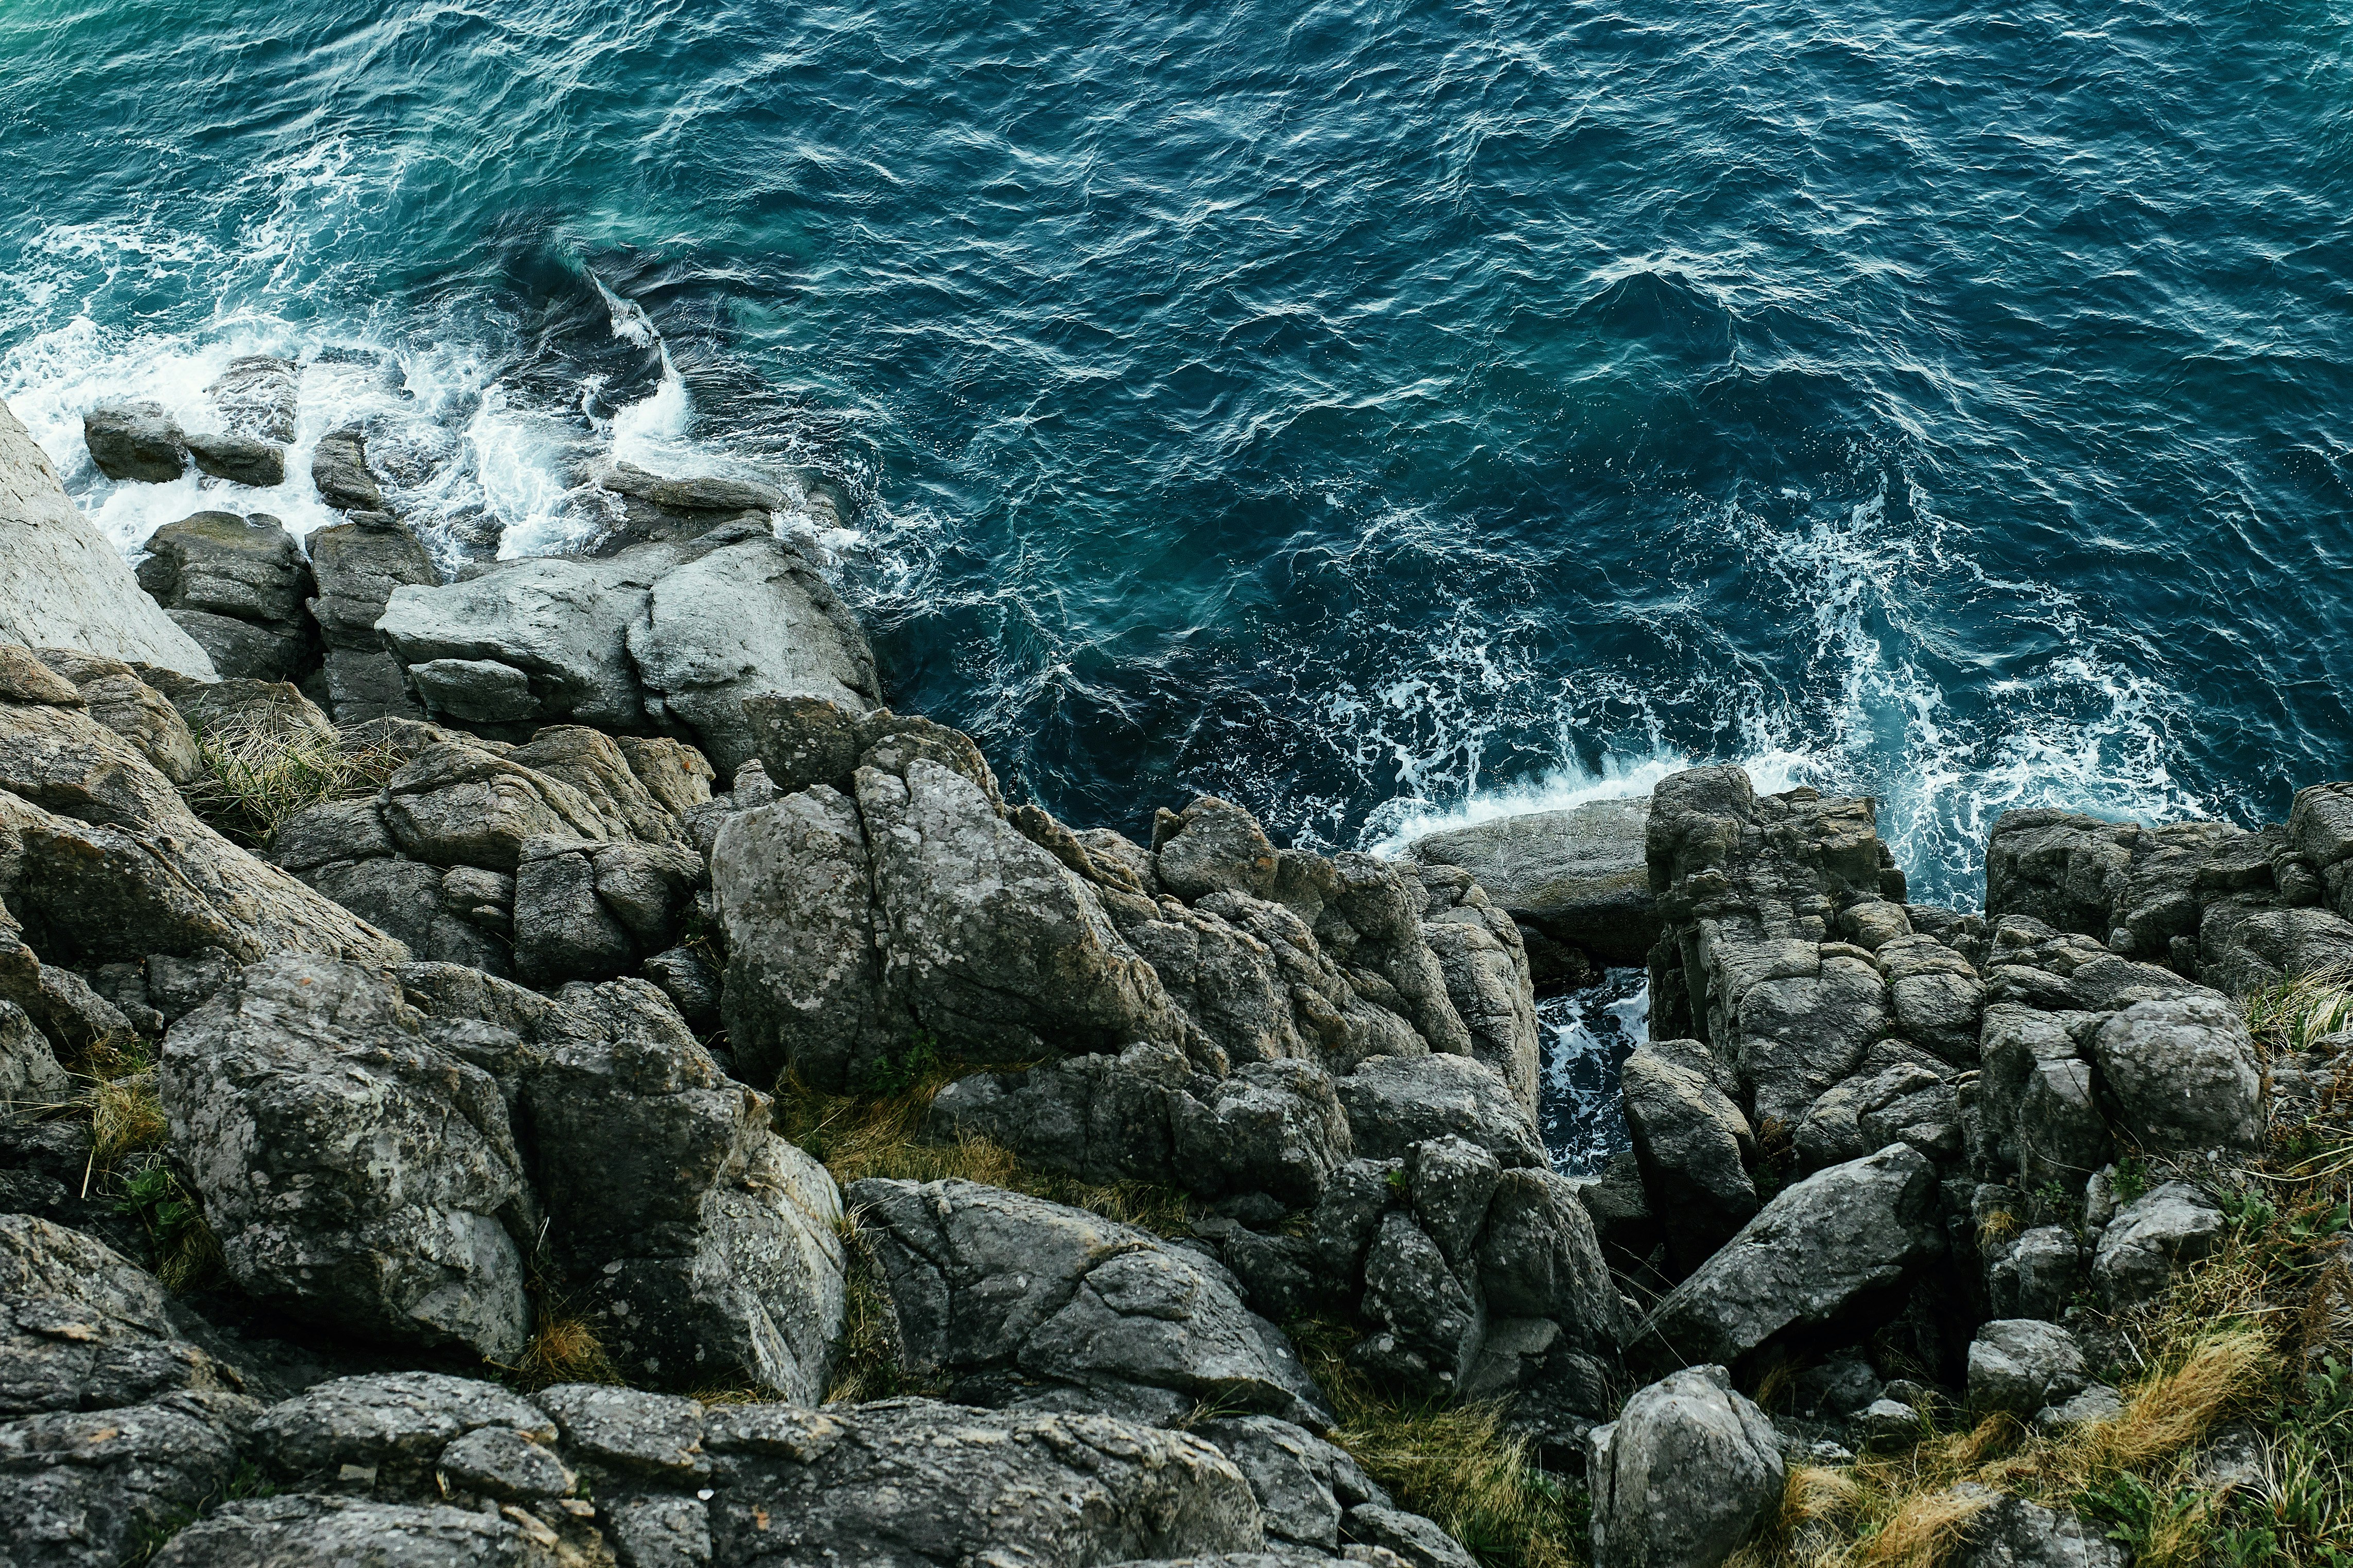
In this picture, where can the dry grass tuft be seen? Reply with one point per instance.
(565, 1349)
(254, 779)
(1924, 1530)
(857, 1136)
(1455, 1465)
(2293, 1013)
(2220, 1375)
(125, 1116)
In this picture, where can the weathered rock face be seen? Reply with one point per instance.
(339, 467)
(1820, 1252)
(1489, 975)
(707, 1246)
(887, 894)
(1690, 1141)
(61, 584)
(237, 585)
(417, 1468)
(113, 693)
(353, 1169)
(1688, 1471)
(1019, 1300)
(750, 619)
(2211, 900)
(91, 1488)
(239, 459)
(103, 862)
(554, 859)
(658, 637)
(82, 1329)
(907, 1481)
(1578, 876)
(1396, 1103)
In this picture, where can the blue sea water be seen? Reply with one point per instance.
(1377, 413)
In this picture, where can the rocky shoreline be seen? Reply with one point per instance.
(602, 1088)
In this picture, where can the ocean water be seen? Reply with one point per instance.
(1380, 413)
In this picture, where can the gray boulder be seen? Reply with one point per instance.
(1429, 1326)
(2182, 1074)
(358, 567)
(239, 459)
(2021, 1364)
(339, 467)
(794, 884)
(1489, 975)
(1408, 1538)
(1213, 846)
(561, 623)
(237, 585)
(384, 1434)
(1000, 1292)
(1689, 1140)
(1303, 1484)
(1687, 1472)
(82, 1329)
(1539, 1258)
(993, 942)
(135, 441)
(1577, 876)
(1273, 1127)
(1749, 889)
(113, 693)
(62, 584)
(2151, 1240)
(593, 911)
(2038, 1274)
(354, 1171)
(301, 1529)
(1396, 1103)
(30, 1078)
(1821, 1251)
(107, 863)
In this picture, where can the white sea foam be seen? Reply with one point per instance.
(2085, 729)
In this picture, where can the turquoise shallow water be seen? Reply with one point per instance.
(1373, 412)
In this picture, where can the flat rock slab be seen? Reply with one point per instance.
(1577, 875)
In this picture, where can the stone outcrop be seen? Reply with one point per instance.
(1828, 1250)
(556, 860)
(663, 637)
(358, 566)
(61, 584)
(135, 442)
(1018, 1301)
(354, 1169)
